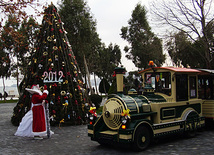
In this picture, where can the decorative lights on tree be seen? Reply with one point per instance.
(53, 64)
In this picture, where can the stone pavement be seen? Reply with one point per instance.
(73, 140)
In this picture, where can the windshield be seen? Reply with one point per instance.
(160, 81)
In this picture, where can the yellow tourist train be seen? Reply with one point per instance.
(173, 100)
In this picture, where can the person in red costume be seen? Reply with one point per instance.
(34, 124)
(39, 118)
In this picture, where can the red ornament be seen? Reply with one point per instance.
(52, 29)
(76, 102)
(114, 75)
(69, 55)
(68, 73)
(60, 31)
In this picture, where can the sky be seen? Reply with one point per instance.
(110, 16)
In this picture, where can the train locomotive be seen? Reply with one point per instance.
(167, 105)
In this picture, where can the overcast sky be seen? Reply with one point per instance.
(110, 16)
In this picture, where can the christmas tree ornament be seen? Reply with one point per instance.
(45, 53)
(56, 57)
(40, 66)
(52, 65)
(63, 63)
(49, 39)
(54, 41)
(55, 48)
(63, 93)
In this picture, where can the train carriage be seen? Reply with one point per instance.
(168, 104)
(206, 93)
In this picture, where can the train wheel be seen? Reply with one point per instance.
(191, 132)
(142, 138)
(191, 122)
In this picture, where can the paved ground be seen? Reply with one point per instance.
(73, 140)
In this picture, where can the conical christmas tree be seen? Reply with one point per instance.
(53, 64)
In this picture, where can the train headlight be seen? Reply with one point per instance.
(91, 117)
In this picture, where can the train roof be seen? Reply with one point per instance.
(206, 71)
(180, 70)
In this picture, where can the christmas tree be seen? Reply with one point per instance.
(53, 64)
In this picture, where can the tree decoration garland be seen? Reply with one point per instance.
(53, 64)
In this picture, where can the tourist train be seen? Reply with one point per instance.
(173, 100)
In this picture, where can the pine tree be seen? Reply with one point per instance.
(53, 64)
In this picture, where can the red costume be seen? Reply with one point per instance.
(39, 117)
(39, 120)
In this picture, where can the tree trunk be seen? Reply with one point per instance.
(4, 95)
(95, 84)
(87, 74)
(17, 77)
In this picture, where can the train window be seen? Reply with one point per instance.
(160, 81)
(181, 87)
(192, 86)
(213, 88)
(201, 88)
(205, 87)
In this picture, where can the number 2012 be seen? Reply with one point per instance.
(52, 77)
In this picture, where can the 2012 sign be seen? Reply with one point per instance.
(52, 77)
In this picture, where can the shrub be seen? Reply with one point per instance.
(96, 99)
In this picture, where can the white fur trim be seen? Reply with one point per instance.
(32, 91)
(46, 91)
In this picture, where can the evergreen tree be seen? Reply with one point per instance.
(53, 64)
(145, 46)
(82, 35)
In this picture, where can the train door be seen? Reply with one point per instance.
(181, 87)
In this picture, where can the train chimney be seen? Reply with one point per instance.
(119, 71)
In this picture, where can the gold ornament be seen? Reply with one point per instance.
(55, 48)
(49, 39)
(65, 104)
(45, 53)
(50, 60)
(56, 57)
(63, 63)
(35, 60)
(41, 88)
(63, 93)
